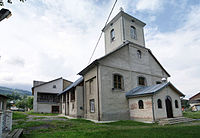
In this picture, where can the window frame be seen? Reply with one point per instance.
(112, 35)
(145, 81)
(140, 104)
(72, 98)
(116, 84)
(176, 104)
(133, 33)
(54, 86)
(139, 54)
(92, 105)
(159, 103)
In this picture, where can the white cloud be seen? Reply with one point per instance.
(178, 51)
(151, 5)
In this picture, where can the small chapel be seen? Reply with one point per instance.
(128, 82)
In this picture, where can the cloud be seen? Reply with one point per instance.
(16, 61)
(151, 5)
(178, 51)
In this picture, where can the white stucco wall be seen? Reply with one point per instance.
(145, 114)
(47, 88)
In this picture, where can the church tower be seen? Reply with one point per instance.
(123, 27)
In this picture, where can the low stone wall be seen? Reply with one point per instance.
(5, 121)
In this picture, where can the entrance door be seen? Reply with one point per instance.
(168, 103)
(55, 109)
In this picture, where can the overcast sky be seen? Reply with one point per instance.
(47, 39)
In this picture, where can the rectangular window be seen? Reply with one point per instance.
(73, 95)
(64, 97)
(92, 106)
(118, 81)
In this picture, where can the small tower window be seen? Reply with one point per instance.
(140, 104)
(118, 81)
(112, 35)
(141, 81)
(139, 54)
(158, 82)
(92, 106)
(176, 103)
(133, 32)
(159, 103)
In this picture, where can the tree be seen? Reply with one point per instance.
(8, 1)
(5, 13)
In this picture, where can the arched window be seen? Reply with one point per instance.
(112, 35)
(159, 103)
(141, 81)
(176, 103)
(133, 32)
(140, 104)
(139, 54)
(118, 81)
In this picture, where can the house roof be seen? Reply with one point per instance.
(74, 84)
(126, 43)
(194, 96)
(50, 82)
(1, 95)
(150, 90)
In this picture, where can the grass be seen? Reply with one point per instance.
(82, 128)
(19, 115)
(41, 114)
(35, 118)
(190, 114)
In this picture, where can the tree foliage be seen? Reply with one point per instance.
(8, 1)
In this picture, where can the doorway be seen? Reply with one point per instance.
(55, 109)
(168, 103)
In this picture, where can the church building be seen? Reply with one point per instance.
(128, 82)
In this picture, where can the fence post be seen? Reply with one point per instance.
(1, 124)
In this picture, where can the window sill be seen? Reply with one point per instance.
(117, 90)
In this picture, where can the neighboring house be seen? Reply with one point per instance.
(128, 82)
(124, 84)
(45, 95)
(195, 102)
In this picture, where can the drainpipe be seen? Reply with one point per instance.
(98, 93)
(153, 108)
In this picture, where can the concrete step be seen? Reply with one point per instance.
(176, 120)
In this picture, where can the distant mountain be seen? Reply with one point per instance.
(6, 90)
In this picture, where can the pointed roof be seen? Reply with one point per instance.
(126, 43)
(150, 90)
(74, 84)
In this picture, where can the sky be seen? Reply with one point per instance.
(45, 40)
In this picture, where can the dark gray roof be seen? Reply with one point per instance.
(150, 90)
(74, 84)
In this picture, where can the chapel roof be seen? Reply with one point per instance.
(150, 90)
(74, 84)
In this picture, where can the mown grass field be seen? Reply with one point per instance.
(70, 128)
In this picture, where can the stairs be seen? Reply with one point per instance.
(171, 121)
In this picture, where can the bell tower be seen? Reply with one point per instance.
(121, 28)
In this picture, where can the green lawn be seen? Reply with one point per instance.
(189, 114)
(41, 114)
(19, 115)
(71, 128)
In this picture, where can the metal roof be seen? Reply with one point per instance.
(150, 90)
(74, 84)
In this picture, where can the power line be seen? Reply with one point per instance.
(102, 32)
